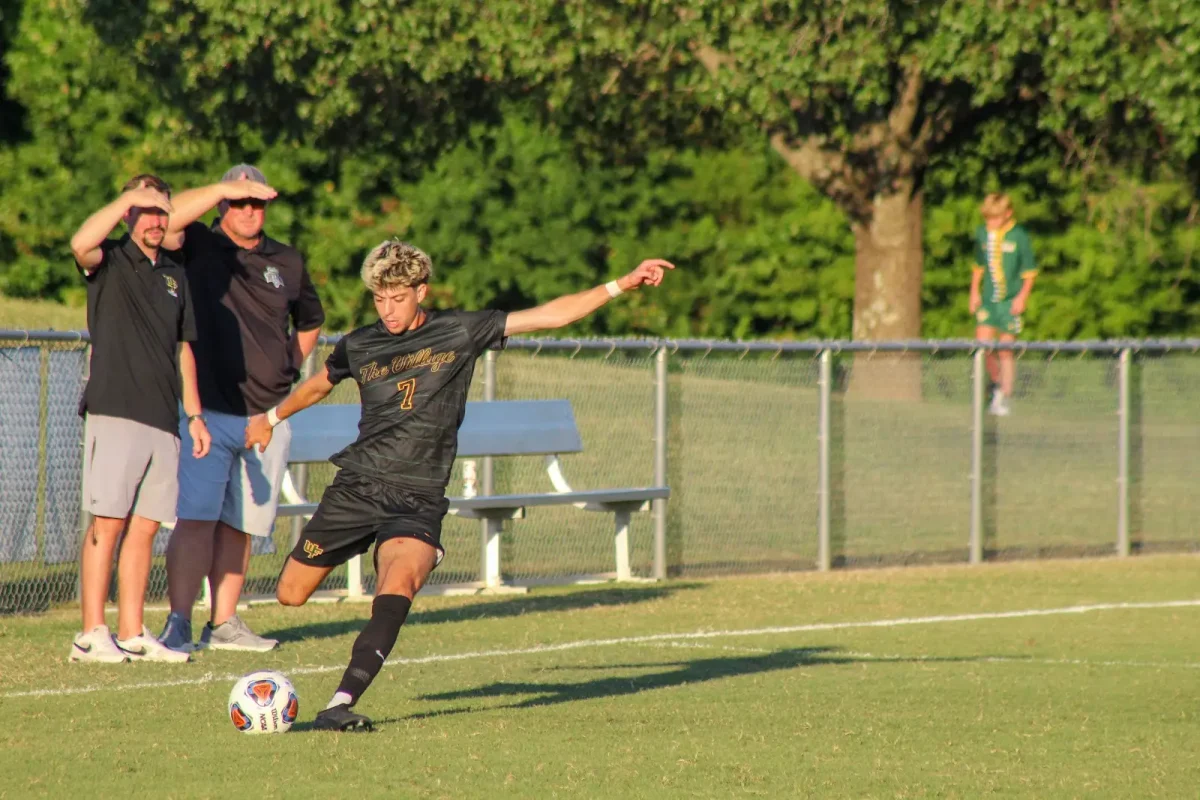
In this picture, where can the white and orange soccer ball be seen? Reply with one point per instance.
(263, 702)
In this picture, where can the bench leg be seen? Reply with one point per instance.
(489, 571)
(622, 545)
(354, 586)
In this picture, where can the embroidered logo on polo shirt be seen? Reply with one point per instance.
(271, 276)
(172, 286)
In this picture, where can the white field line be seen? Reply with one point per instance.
(210, 677)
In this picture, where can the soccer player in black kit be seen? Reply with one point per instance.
(413, 368)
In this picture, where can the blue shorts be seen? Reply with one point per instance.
(237, 486)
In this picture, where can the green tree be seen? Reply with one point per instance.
(857, 96)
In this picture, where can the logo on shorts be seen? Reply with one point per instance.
(271, 276)
(981, 315)
(172, 286)
(312, 549)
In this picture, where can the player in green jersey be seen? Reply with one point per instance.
(1000, 286)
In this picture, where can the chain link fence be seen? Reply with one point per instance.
(797, 456)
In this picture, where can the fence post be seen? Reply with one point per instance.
(85, 518)
(489, 530)
(660, 462)
(977, 390)
(825, 392)
(1123, 366)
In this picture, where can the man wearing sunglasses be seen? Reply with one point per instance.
(257, 318)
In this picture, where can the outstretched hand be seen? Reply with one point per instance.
(258, 432)
(648, 273)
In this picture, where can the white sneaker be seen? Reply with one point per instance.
(999, 405)
(97, 646)
(144, 647)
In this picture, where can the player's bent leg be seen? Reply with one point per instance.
(403, 565)
(298, 581)
(342, 527)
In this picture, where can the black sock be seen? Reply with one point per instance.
(373, 645)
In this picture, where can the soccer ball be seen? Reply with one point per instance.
(263, 702)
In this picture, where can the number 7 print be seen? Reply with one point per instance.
(407, 388)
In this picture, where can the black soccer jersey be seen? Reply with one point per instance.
(413, 388)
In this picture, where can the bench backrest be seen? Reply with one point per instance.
(498, 428)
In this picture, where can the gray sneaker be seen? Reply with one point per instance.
(177, 634)
(233, 634)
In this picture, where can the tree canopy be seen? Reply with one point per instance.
(807, 163)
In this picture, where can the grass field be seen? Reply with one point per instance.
(897, 683)
(38, 315)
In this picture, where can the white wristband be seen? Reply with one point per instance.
(614, 289)
(273, 417)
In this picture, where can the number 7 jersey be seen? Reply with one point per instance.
(413, 388)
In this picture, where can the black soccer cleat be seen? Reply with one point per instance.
(341, 718)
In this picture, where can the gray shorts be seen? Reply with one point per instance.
(129, 467)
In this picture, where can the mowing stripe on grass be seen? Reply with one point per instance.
(1072, 662)
(210, 677)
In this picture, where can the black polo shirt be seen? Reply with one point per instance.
(247, 304)
(138, 312)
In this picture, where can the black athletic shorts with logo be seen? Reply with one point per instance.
(357, 511)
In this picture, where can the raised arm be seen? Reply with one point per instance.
(574, 307)
(85, 244)
(195, 203)
(308, 393)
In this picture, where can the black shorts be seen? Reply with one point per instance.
(357, 510)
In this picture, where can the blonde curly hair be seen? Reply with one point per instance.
(393, 264)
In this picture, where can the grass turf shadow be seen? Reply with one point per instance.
(683, 673)
(496, 609)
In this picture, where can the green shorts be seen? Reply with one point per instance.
(998, 315)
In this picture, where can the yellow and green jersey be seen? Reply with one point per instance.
(1006, 258)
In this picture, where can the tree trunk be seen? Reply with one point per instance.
(888, 267)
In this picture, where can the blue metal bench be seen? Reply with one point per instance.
(490, 429)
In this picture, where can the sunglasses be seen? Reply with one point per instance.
(248, 203)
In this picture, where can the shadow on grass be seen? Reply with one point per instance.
(680, 673)
(495, 609)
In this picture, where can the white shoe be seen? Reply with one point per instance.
(999, 405)
(97, 646)
(144, 647)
